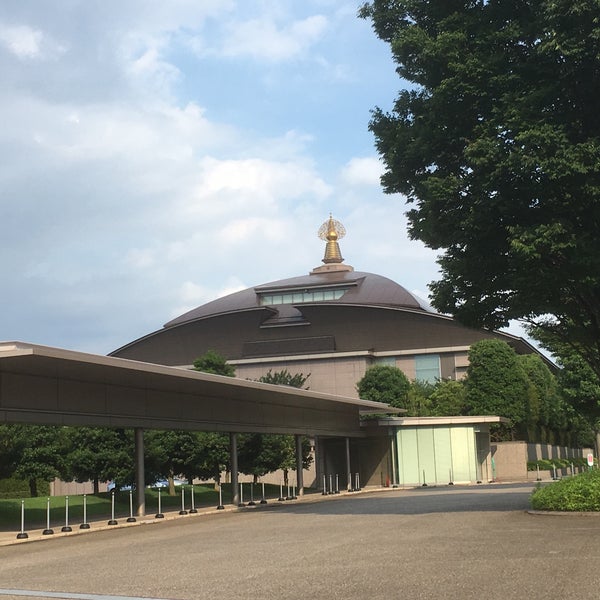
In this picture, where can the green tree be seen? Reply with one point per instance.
(41, 454)
(173, 452)
(98, 454)
(212, 362)
(418, 400)
(385, 383)
(212, 456)
(260, 453)
(496, 384)
(284, 377)
(448, 399)
(496, 143)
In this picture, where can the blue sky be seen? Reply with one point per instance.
(157, 155)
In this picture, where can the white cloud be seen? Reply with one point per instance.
(362, 171)
(262, 39)
(27, 43)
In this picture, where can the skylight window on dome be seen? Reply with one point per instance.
(302, 297)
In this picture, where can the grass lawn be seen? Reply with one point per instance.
(98, 507)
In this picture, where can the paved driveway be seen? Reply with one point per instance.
(452, 542)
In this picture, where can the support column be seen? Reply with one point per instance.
(299, 468)
(348, 469)
(233, 461)
(394, 453)
(140, 484)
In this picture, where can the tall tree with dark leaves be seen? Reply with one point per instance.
(495, 141)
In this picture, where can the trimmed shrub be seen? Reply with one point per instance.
(13, 487)
(579, 493)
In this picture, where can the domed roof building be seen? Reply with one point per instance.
(333, 324)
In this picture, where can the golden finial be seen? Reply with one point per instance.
(331, 231)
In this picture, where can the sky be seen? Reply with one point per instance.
(155, 155)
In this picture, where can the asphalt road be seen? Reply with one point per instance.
(476, 542)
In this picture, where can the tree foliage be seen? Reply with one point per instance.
(284, 377)
(496, 143)
(260, 453)
(496, 383)
(99, 454)
(212, 362)
(385, 383)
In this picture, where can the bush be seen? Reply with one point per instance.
(579, 493)
(19, 488)
(546, 464)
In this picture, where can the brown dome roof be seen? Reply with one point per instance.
(356, 288)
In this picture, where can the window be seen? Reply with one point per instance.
(299, 297)
(427, 368)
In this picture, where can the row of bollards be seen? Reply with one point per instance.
(291, 495)
(334, 484)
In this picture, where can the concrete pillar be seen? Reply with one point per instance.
(394, 453)
(233, 460)
(348, 467)
(299, 468)
(140, 484)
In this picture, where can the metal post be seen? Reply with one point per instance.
(252, 503)
(241, 502)
(193, 510)
(48, 531)
(130, 518)
(183, 511)
(299, 467)
(424, 481)
(331, 484)
(140, 484)
(85, 524)
(348, 471)
(220, 507)
(112, 510)
(233, 457)
(263, 499)
(22, 535)
(159, 514)
(324, 485)
(66, 528)
(281, 498)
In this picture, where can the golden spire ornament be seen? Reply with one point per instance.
(331, 231)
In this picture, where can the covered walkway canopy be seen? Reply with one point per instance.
(45, 385)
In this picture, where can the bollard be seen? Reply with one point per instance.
(193, 510)
(220, 507)
(112, 521)
(537, 468)
(294, 497)
(451, 482)
(85, 524)
(241, 503)
(554, 477)
(324, 485)
(48, 531)
(183, 511)
(424, 482)
(289, 495)
(572, 470)
(251, 503)
(22, 535)
(357, 482)
(66, 528)
(131, 518)
(159, 514)
(281, 498)
(337, 484)
(263, 500)
(331, 484)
